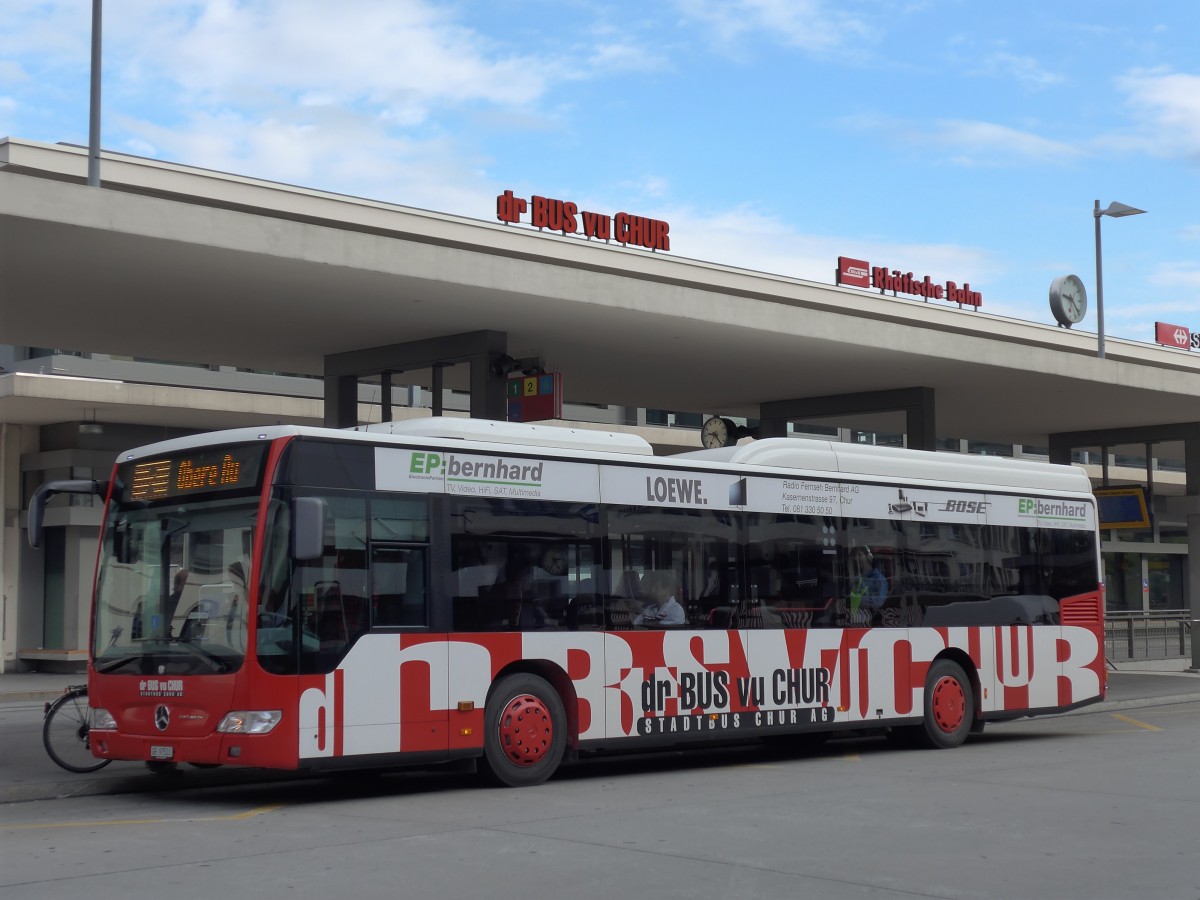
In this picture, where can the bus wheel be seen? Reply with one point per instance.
(524, 731)
(949, 706)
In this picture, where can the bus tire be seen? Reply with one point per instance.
(524, 731)
(949, 706)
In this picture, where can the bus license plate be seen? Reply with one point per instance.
(160, 752)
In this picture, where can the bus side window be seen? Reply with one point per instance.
(398, 585)
(333, 590)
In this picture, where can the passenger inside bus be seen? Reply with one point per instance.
(867, 590)
(663, 608)
(870, 588)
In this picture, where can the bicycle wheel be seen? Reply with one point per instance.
(65, 733)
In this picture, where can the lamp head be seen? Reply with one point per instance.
(1117, 210)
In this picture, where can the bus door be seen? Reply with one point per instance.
(373, 678)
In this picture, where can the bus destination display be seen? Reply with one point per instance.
(222, 469)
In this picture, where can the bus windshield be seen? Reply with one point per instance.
(171, 596)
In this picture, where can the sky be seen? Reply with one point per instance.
(959, 139)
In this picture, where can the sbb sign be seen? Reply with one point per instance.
(567, 217)
(860, 273)
(1176, 336)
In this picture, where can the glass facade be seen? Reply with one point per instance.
(1145, 582)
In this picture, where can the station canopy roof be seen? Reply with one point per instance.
(175, 263)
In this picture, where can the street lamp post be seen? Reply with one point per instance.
(93, 176)
(1116, 210)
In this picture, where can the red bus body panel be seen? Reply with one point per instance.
(424, 695)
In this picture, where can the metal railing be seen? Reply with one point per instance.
(1165, 634)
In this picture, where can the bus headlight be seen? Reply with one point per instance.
(250, 721)
(102, 720)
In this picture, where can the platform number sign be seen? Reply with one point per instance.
(532, 398)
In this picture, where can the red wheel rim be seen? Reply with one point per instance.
(949, 704)
(526, 730)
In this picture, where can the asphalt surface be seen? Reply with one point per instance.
(27, 773)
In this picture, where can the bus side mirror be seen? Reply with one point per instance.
(37, 505)
(308, 528)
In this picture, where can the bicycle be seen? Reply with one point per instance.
(65, 731)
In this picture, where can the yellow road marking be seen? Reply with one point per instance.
(1136, 722)
(249, 814)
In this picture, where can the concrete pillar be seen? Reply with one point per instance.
(341, 401)
(10, 537)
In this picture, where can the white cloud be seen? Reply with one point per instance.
(358, 97)
(1024, 69)
(333, 149)
(987, 141)
(401, 76)
(653, 188)
(12, 72)
(1179, 274)
(810, 25)
(401, 53)
(139, 147)
(969, 143)
(1168, 107)
(621, 57)
(42, 31)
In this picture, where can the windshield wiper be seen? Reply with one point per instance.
(219, 664)
(116, 664)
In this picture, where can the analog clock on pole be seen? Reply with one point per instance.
(1068, 300)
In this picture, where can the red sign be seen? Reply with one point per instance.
(1172, 335)
(567, 217)
(854, 273)
(532, 398)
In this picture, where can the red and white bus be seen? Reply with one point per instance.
(443, 589)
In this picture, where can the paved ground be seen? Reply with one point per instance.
(1087, 806)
